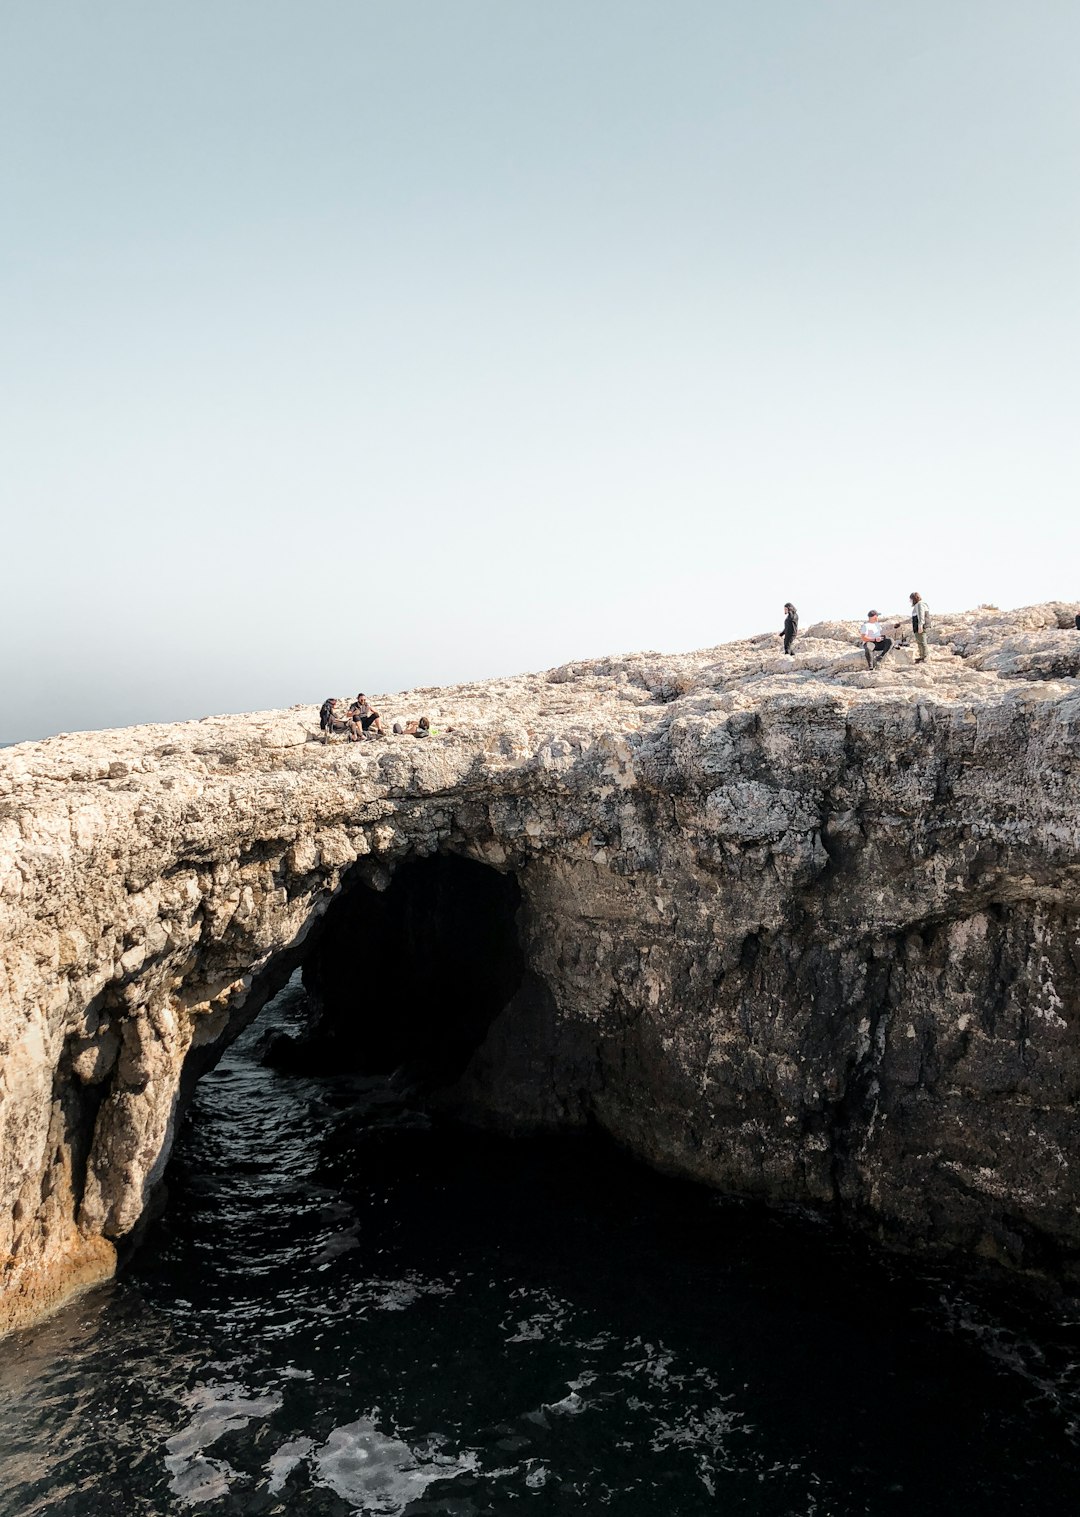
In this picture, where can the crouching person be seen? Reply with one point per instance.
(874, 639)
(364, 719)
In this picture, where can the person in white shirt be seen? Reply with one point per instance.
(875, 643)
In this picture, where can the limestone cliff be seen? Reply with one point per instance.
(805, 932)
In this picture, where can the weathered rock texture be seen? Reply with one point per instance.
(808, 933)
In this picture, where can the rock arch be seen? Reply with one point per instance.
(802, 932)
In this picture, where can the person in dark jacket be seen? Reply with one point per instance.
(791, 626)
(331, 719)
(920, 621)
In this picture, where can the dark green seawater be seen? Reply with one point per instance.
(346, 1309)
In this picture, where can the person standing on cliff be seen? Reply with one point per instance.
(920, 621)
(791, 627)
(875, 643)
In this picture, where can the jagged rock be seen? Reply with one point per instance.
(801, 930)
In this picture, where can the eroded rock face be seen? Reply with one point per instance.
(805, 932)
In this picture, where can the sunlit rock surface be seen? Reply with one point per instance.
(805, 932)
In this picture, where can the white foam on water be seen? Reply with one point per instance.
(378, 1473)
(281, 1464)
(198, 1479)
(571, 1405)
(547, 1321)
(398, 1295)
(218, 1409)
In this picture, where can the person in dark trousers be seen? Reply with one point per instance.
(875, 643)
(331, 719)
(920, 621)
(363, 718)
(791, 627)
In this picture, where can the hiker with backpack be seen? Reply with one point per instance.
(920, 622)
(330, 718)
(791, 627)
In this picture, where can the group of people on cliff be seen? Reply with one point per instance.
(876, 642)
(361, 721)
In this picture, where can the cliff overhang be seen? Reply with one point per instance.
(804, 932)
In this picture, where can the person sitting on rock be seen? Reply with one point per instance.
(874, 641)
(364, 719)
(331, 719)
(791, 626)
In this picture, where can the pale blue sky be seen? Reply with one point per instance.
(364, 343)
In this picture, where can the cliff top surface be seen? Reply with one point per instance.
(976, 657)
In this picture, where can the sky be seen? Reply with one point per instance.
(362, 344)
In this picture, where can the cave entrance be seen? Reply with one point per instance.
(415, 974)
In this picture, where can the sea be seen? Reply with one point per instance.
(348, 1307)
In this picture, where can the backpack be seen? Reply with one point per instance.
(326, 711)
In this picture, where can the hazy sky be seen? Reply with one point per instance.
(363, 343)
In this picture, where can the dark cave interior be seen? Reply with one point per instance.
(413, 975)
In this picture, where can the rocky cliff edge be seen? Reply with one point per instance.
(805, 932)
